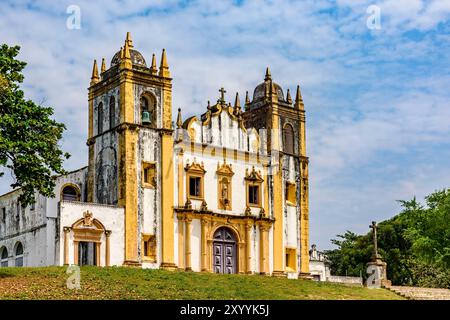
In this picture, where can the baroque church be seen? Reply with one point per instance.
(224, 192)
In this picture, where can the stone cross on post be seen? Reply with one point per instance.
(375, 255)
(222, 94)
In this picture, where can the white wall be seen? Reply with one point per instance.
(111, 217)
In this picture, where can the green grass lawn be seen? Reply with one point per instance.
(131, 283)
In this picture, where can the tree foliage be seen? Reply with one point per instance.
(28, 136)
(415, 244)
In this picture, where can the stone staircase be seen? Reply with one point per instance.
(417, 293)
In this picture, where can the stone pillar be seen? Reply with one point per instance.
(263, 249)
(180, 242)
(97, 256)
(66, 245)
(107, 248)
(75, 252)
(203, 258)
(188, 245)
(248, 239)
(242, 263)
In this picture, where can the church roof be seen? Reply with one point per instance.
(136, 58)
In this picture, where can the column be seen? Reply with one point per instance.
(107, 248)
(204, 261)
(75, 252)
(66, 245)
(188, 244)
(180, 242)
(263, 249)
(248, 240)
(97, 255)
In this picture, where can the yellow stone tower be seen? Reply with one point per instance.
(128, 103)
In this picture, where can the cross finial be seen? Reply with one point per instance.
(222, 94)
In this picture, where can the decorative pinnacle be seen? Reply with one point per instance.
(237, 105)
(153, 69)
(179, 120)
(247, 99)
(209, 105)
(164, 67)
(268, 75)
(299, 100)
(128, 40)
(288, 97)
(126, 50)
(103, 68)
(94, 77)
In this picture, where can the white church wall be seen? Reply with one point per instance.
(291, 227)
(110, 216)
(196, 245)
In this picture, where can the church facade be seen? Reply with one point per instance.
(225, 192)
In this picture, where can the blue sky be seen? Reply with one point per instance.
(377, 101)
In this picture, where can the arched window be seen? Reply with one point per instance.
(19, 255)
(70, 193)
(112, 108)
(288, 139)
(4, 257)
(147, 111)
(100, 118)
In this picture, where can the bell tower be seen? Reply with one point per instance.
(284, 121)
(130, 150)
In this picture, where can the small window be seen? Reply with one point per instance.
(291, 259)
(290, 194)
(112, 105)
(19, 255)
(70, 193)
(3, 214)
(100, 118)
(253, 195)
(149, 175)
(288, 139)
(149, 247)
(195, 184)
(4, 257)
(18, 209)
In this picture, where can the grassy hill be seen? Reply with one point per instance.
(130, 283)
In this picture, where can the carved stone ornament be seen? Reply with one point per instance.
(88, 219)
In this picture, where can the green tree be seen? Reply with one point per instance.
(415, 244)
(28, 136)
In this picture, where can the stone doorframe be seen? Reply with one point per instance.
(87, 229)
(241, 226)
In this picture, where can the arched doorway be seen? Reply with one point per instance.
(224, 251)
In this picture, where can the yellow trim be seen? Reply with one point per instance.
(167, 194)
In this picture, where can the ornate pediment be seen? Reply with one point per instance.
(253, 175)
(225, 169)
(195, 167)
(88, 222)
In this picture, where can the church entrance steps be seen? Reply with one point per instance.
(417, 293)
